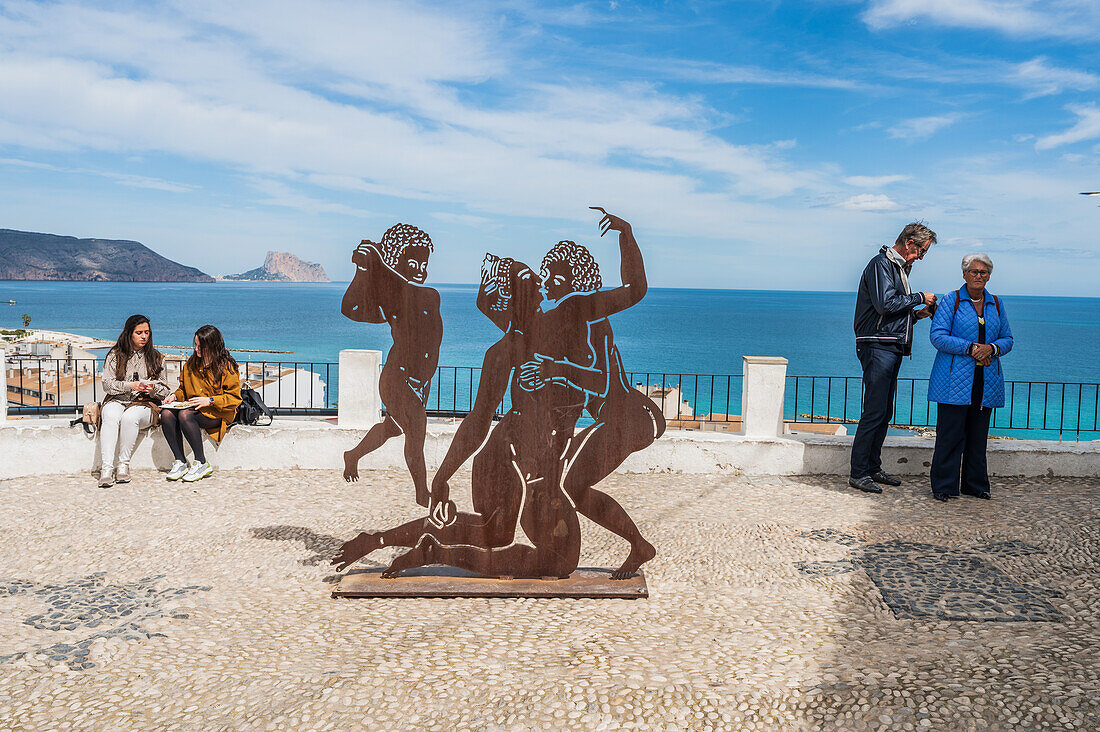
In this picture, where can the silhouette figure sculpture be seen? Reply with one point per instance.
(554, 359)
(625, 419)
(388, 287)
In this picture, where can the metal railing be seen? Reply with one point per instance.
(1041, 408)
(684, 398)
(1046, 409)
(38, 386)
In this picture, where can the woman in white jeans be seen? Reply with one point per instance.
(134, 381)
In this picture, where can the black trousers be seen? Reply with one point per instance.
(880, 384)
(961, 434)
(187, 423)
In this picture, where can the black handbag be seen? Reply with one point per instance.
(252, 409)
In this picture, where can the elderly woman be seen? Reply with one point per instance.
(970, 332)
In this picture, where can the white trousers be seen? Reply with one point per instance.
(120, 428)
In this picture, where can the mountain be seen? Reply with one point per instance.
(26, 255)
(283, 267)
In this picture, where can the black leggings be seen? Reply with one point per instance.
(186, 423)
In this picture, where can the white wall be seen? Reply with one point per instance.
(45, 446)
(48, 446)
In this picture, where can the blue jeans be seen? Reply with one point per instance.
(880, 383)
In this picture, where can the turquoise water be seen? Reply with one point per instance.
(671, 334)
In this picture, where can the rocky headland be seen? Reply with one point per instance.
(283, 267)
(27, 255)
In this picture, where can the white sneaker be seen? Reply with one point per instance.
(106, 477)
(198, 471)
(177, 470)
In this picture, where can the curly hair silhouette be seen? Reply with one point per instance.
(399, 236)
(586, 273)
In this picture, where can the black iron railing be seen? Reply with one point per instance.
(1045, 409)
(683, 398)
(1032, 408)
(37, 386)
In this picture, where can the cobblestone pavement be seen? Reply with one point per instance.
(776, 603)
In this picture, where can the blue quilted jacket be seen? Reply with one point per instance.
(952, 333)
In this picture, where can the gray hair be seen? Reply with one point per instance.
(918, 232)
(978, 257)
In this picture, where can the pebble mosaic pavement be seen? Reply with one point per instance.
(776, 603)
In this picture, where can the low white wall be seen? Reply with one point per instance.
(50, 446)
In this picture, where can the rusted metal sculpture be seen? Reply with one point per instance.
(388, 287)
(555, 358)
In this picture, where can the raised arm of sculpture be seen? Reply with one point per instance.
(360, 302)
(593, 306)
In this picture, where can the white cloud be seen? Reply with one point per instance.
(126, 179)
(874, 181)
(707, 72)
(235, 86)
(1042, 79)
(1087, 128)
(869, 202)
(278, 193)
(920, 128)
(456, 116)
(465, 219)
(1058, 18)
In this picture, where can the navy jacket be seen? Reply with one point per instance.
(884, 313)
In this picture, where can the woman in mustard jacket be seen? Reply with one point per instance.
(207, 399)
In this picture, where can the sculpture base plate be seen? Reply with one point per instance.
(440, 581)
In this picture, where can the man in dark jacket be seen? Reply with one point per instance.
(884, 334)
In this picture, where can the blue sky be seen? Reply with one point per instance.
(754, 144)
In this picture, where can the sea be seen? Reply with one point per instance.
(690, 338)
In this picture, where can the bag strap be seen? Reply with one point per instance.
(958, 296)
(88, 428)
(255, 400)
(265, 409)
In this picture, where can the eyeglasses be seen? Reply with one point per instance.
(978, 272)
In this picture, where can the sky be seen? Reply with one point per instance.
(756, 144)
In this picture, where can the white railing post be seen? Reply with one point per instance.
(3, 385)
(359, 404)
(762, 396)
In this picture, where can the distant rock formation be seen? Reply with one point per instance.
(283, 267)
(26, 255)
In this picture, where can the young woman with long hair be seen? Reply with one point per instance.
(207, 399)
(134, 381)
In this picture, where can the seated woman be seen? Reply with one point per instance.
(970, 332)
(207, 399)
(133, 377)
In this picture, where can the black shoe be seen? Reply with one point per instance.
(885, 479)
(941, 497)
(984, 495)
(865, 484)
